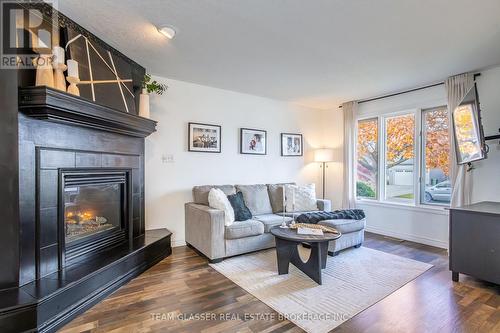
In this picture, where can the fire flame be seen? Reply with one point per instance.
(82, 216)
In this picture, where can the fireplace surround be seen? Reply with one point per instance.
(71, 196)
(81, 209)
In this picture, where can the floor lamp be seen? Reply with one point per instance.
(323, 156)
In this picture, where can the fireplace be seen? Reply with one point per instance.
(81, 209)
(73, 194)
(93, 211)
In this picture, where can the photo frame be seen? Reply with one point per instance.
(204, 138)
(292, 144)
(253, 141)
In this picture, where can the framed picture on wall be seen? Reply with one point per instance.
(204, 138)
(253, 141)
(291, 144)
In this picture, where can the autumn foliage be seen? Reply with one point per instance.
(367, 151)
(401, 141)
(437, 143)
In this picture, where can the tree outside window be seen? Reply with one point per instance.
(367, 157)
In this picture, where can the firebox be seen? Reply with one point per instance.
(94, 212)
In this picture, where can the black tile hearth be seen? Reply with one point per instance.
(49, 302)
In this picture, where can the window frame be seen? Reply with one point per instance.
(418, 166)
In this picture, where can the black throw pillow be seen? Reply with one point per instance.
(241, 211)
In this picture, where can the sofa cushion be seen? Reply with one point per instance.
(241, 211)
(345, 226)
(276, 196)
(300, 198)
(256, 198)
(200, 193)
(218, 200)
(244, 229)
(271, 220)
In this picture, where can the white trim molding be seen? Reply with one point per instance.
(178, 243)
(404, 236)
(431, 209)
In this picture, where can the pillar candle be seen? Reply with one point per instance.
(73, 68)
(58, 53)
(284, 200)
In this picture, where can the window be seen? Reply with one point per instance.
(367, 159)
(410, 169)
(400, 158)
(435, 181)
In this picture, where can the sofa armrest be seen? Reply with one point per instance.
(324, 205)
(204, 228)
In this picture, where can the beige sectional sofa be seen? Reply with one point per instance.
(206, 232)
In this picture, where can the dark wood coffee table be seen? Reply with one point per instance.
(287, 252)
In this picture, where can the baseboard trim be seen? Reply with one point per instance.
(177, 243)
(417, 239)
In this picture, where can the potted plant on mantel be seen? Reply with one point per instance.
(148, 87)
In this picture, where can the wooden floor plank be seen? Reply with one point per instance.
(183, 284)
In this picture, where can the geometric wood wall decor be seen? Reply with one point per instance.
(104, 77)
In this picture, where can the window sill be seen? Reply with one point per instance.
(439, 210)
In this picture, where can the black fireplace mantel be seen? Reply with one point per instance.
(54, 105)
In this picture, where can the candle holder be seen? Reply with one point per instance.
(59, 80)
(73, 88)
(44, 71)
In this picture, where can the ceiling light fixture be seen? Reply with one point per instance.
(167, 31)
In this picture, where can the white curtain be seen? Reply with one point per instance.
(349, 194)
(456, 88)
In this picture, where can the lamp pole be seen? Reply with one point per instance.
(323, 156)
(324, 175)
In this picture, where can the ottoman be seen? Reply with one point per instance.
(353, 234)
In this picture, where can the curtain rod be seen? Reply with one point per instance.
(404, 92)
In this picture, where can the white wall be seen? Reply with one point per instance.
(431, 226)
(333, 136)
(486, 178)
(168, 185)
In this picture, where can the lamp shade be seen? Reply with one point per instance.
(323, 155)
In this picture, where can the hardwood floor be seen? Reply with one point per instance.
(184, 284)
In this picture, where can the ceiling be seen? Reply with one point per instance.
(317, 53)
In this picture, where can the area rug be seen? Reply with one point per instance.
(352, 281)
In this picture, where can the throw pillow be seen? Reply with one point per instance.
(276, 196)
(241, 211)
(256, 198)
(304, 197)
(218, 200)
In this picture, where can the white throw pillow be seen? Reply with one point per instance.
(305, 198)
(218, 200)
